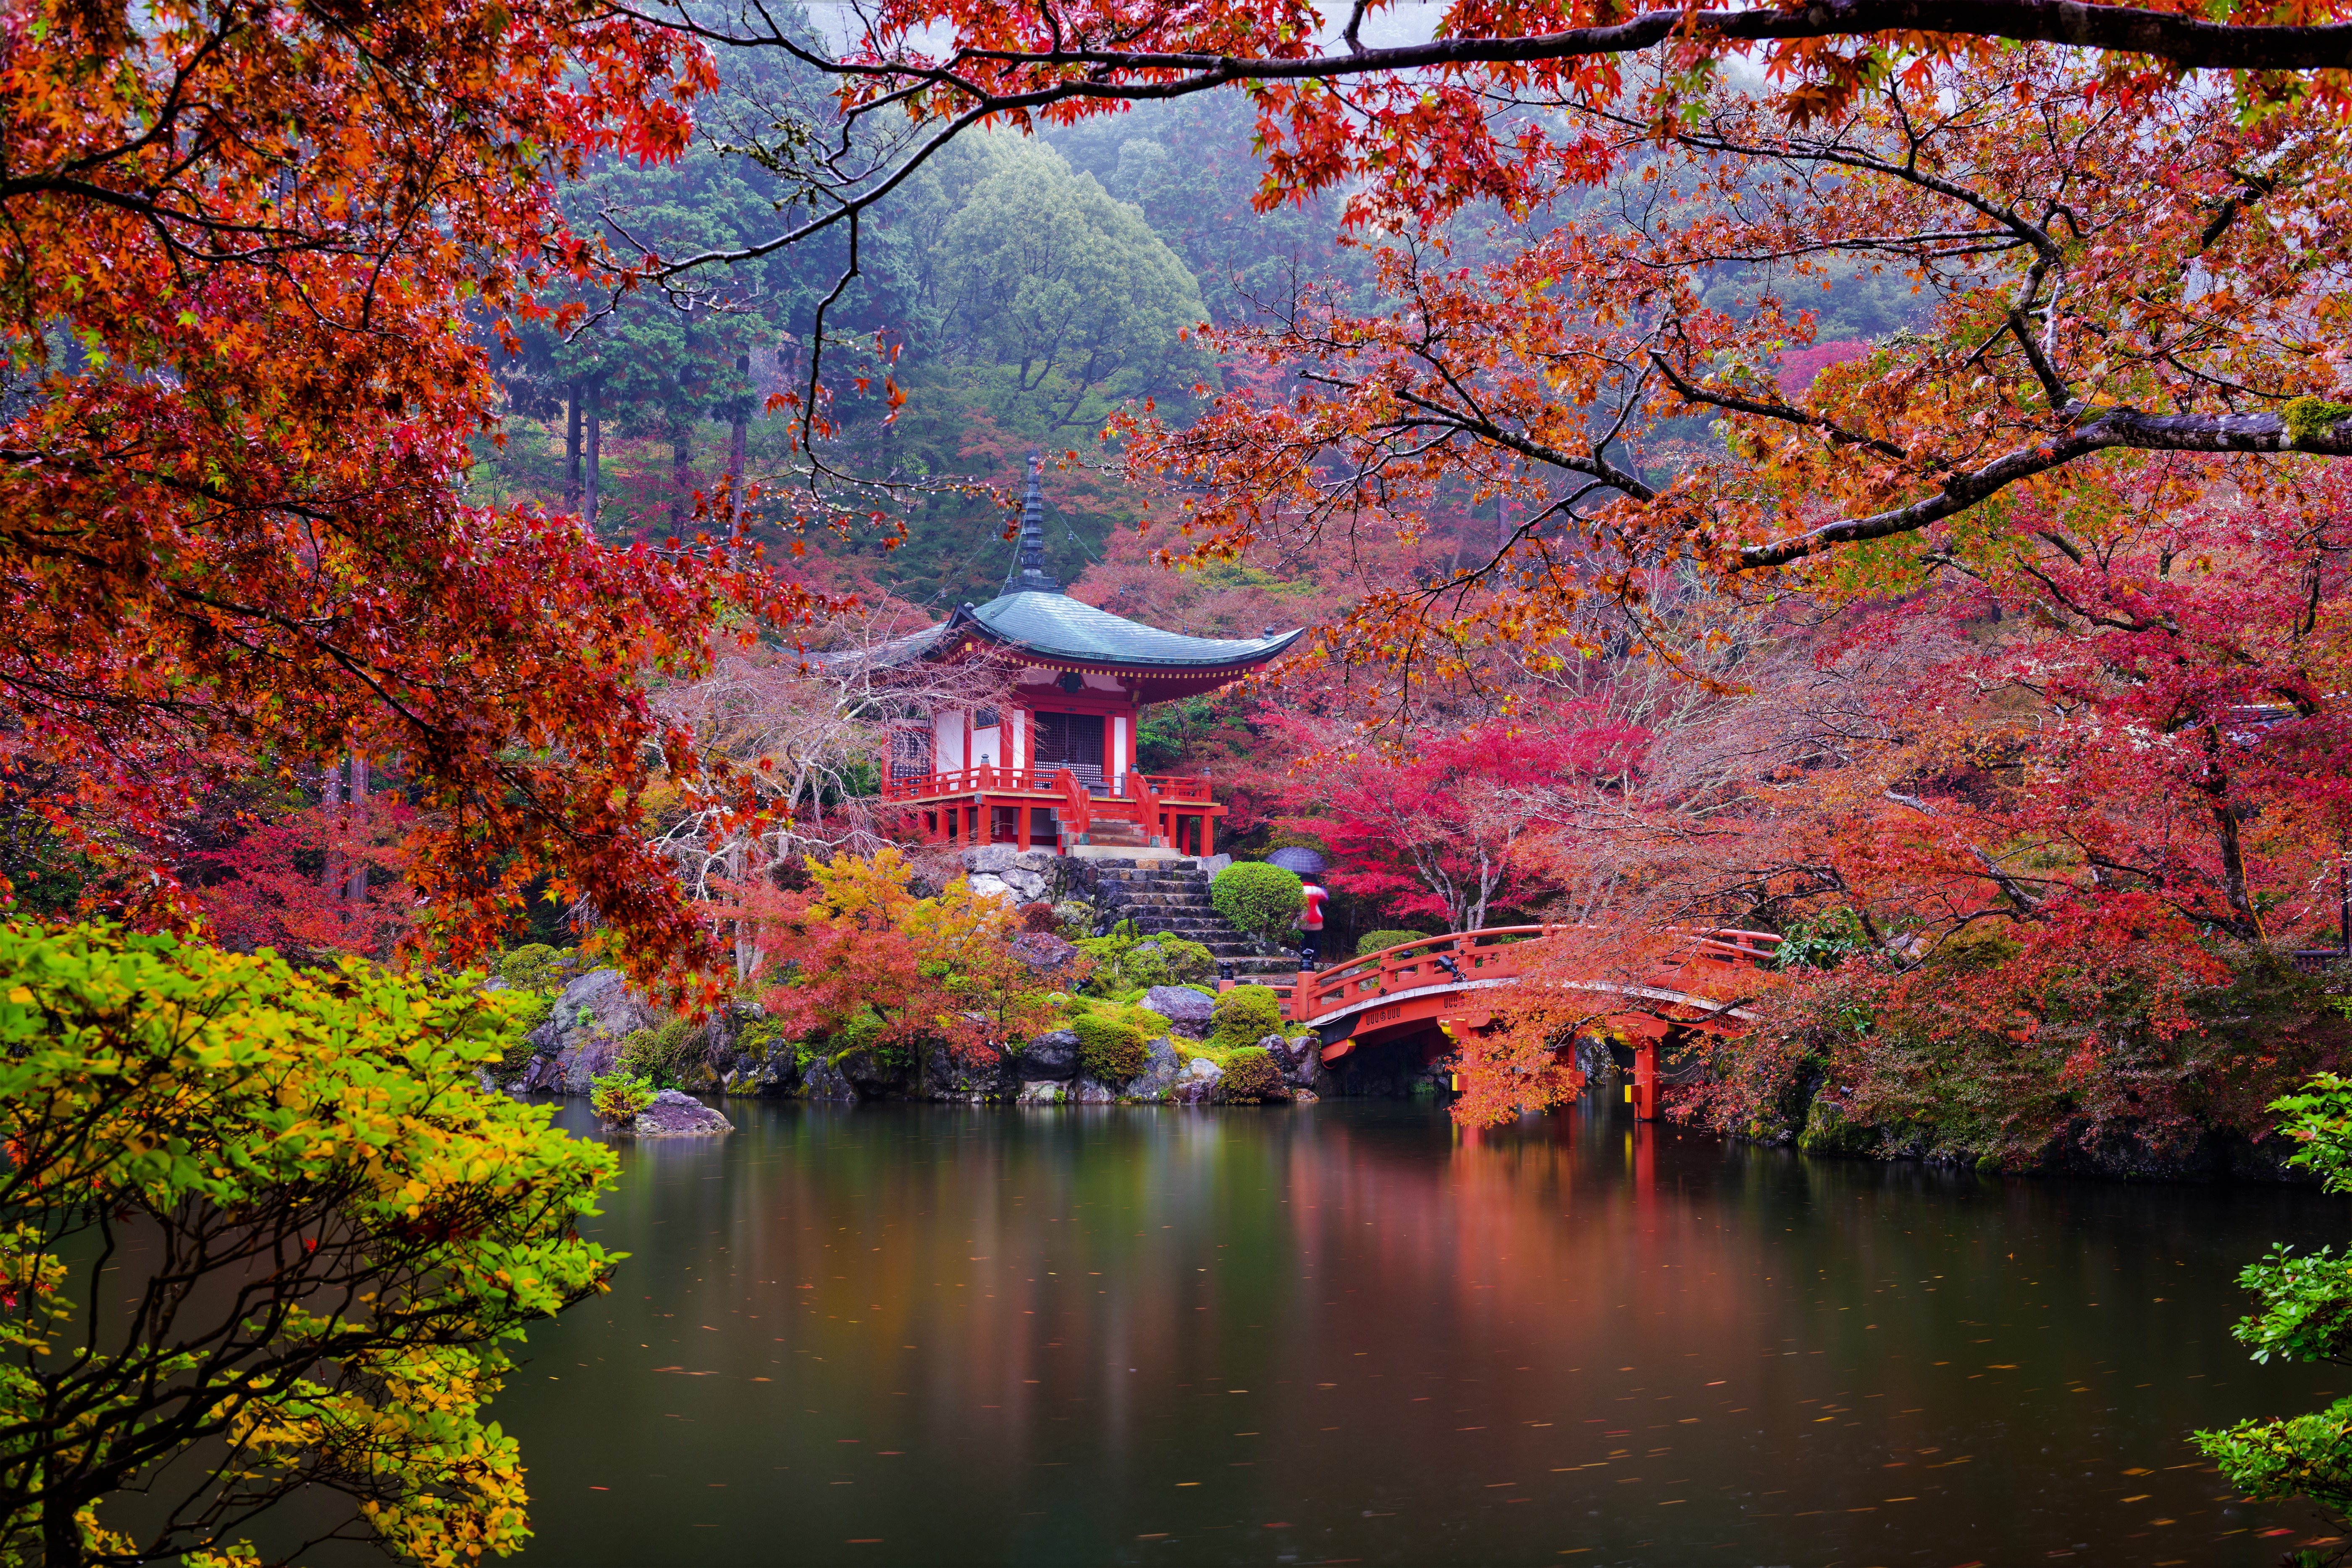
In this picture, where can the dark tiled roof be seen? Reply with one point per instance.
(1056, 626)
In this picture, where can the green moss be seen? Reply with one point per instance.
(664, 1055)
(538, 967)
(1251, 1076)
(1827, 1132)
(760, 1037)
(1110, 1051)
(1243, 1016)
(2309, 418)
(1127, 964)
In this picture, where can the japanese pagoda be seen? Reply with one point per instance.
(1054, 766)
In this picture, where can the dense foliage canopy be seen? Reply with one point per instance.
(273, 1214)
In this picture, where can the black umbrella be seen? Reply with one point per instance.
(1306, 862)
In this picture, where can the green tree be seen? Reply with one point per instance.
(1065, 294)
(1192, 168)
(2305, 1315)
(315, 1230)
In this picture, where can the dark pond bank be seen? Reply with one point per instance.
(912, 1334)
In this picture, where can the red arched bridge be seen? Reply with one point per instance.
(1423, 991)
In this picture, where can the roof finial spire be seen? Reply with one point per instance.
(1028, 574)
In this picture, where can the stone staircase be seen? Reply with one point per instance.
(1117, 832)
(1170, 898)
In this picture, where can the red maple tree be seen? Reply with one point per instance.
(232, 528)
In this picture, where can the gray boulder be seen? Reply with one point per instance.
(676, 1115)
(1043, 951)
(1197, 1085)
(1087, 1091)
(1161, 1068)
(1054, 1054)
(1000, 870)
(1044, 1092)
(1186, 1011)
(945, 1076)
(582, 1031)
(823, 1080)
(1299, 1056)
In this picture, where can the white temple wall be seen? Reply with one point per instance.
(947, 740)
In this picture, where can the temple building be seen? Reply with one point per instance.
(1054, 766)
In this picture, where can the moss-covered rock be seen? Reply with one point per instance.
(1828, 1132)
(1250, 1076)
(1243, 1016)
(1109, 1049)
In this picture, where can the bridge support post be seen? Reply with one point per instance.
(1645, 1081)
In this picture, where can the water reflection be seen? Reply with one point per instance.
(911, 1334)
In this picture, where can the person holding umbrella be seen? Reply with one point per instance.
(1312, 896)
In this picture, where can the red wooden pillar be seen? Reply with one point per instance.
(1020, 824)
(1645, 1081)
(1208, 839)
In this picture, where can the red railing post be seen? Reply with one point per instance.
(1077, 812)
(1645, 1081)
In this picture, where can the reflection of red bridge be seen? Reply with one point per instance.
(1421, 991)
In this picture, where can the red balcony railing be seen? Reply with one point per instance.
(995, 781)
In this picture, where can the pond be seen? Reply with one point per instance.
(1347, 1332)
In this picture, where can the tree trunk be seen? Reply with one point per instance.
(355, 887)
(572, 446)
(739, 440)
(2216, 784)
(747, 952)
(595, 442)
(60, 1536)
(330, 800)
(681, 489)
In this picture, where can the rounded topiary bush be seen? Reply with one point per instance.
(1189, 963)
(1374, 940)
(1110, 1051)
(1251, 1076)
(1261, 899)
(1243, 1016)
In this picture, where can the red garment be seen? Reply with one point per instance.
(1312, 897)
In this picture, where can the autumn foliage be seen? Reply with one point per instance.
(240, 248)
(861, 962)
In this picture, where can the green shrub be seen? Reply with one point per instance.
(523, 1013)
(1243, 1016)
(1250, 1074)
(525, 1010)
(1374, 940)
(1110, 1051)
(538, 967)
(662, 1054)
(1261, 899)
(617, 1096)
(1125, 962)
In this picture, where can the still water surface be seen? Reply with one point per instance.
(910, 1334)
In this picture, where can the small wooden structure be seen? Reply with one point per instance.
(1055, 766)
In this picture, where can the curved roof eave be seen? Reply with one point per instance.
(1055, 627)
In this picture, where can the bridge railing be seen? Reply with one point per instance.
(1494, 953)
